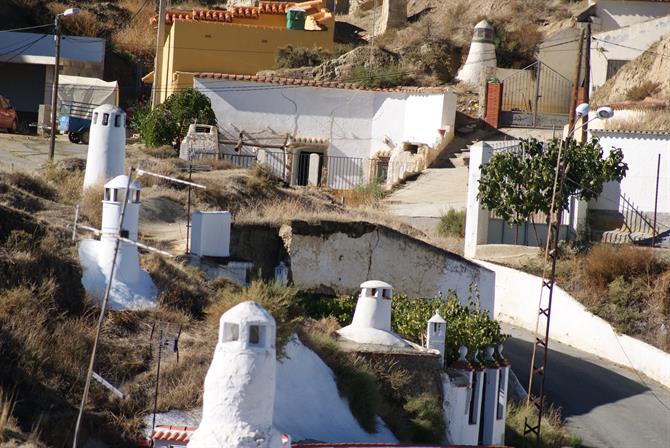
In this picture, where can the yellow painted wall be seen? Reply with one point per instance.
(228, 48)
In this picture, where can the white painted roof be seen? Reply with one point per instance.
(483, 24)
(248, 312)
(437, 319)
(122, 182)
(109, 108)
(375, 284)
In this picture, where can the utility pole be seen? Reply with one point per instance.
(587, 78)
(54, 89)
(160, 36)
(372, 32)
(575, 87)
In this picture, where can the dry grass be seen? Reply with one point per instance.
(654, 121)
(139, 37)
(90, 206)
(83, 24)
(603, 264)
(553, 434)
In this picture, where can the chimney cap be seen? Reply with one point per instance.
(437, 319)
(376, 284)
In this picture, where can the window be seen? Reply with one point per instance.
(95, 118)
(373, 292)
(231, 332)
(107, 194)
(105, 119)
(117, 120)
(254, 335)
(136, 197)
(386, 293)
(436, 327)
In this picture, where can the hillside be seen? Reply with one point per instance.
(645, 75)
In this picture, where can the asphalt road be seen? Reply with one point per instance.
(28, 152)
(605, 404)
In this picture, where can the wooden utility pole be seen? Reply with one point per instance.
(158, 66)
(54, 90)
(587, 78)
(575, 87)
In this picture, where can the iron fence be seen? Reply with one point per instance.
(346, 173)
(245, 161)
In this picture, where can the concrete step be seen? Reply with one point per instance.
(621, 236)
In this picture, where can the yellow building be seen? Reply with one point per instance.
(239, 40)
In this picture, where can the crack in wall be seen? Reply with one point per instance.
(372, 252)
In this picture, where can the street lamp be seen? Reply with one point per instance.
(54, 92)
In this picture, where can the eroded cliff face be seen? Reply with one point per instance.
(336, 257)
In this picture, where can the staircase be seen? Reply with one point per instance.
(628, 225)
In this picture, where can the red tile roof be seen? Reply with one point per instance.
(173, 433)
(384, 445)
(313, 83)
(252, 12)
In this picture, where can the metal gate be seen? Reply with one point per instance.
(536, 97)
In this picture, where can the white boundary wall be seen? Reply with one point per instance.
(517, 295)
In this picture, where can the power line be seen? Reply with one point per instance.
(26, 28)
(666, 55)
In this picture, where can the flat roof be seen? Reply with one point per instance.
(37, 48)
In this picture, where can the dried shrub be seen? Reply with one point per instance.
(32, 184)
(604, 264)
(296, 57)
(181, 287)
(553, 434)
(642, 91)
(90, 205)
(452, 223)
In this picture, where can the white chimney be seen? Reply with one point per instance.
(437, 334)
(482, 54)
(107, 145)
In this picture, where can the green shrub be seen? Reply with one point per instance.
(466, 325)
(452, 223)
(296, 57)
(387, 76)
(370, 193)
(168, 123)
(136, 116)
(552, 436)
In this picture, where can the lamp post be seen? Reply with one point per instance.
(54, 91)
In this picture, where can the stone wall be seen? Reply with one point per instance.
(337, 257)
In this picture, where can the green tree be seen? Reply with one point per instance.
(516, 184)
(168, 123)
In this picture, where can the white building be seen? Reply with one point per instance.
(641, 152)
(482, 54)
(335, 133)
(107, 145)
(26, 67)
(132, 287)
(239, 392)
(371, 323)
(621, 31)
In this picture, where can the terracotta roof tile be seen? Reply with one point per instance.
(314, 83)
(172, 433)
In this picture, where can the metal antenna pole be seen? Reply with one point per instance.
(158, 376)
(54, 91)
(103, 308)
(541, 343)
(188, 206)
(658, 176)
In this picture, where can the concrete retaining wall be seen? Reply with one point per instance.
(517, 295)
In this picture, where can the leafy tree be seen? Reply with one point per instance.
(168, 123)
(516, 184)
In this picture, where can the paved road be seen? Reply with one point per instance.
(606, 405)
(28, 152)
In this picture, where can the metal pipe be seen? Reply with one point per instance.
(54, 90)
(658, 176)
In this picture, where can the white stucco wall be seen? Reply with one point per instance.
(640, 151)
(624, 44)
(340, 259)
(517, 295)
(616, 13)
(355, 122)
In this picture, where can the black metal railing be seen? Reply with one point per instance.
(245, 161)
